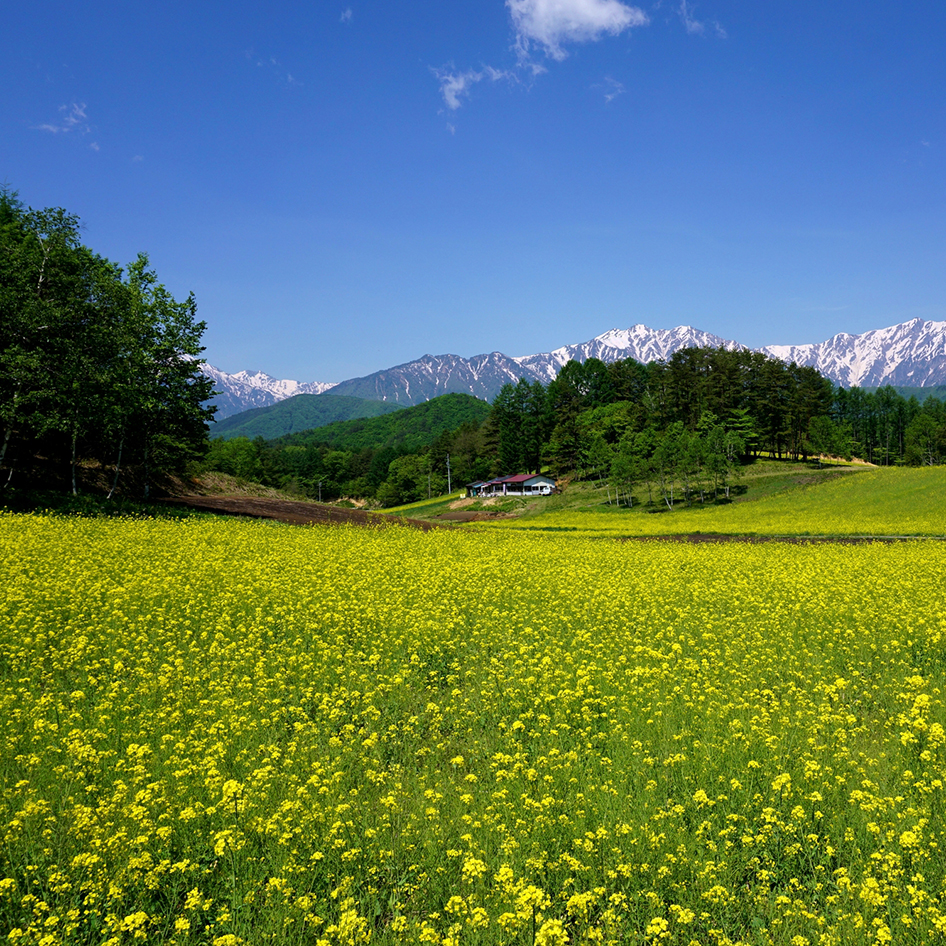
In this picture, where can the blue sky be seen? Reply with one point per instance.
(348, 185)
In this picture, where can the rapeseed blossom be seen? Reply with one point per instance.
(228, 732)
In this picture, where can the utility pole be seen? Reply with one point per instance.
(320, 491)
(449, 490)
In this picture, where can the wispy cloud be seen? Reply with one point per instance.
(272, 65)
(95, 146)
(346, 16)
(549, 24)
(455, 85)
(72, 118)
(612, 89)
(693, 25)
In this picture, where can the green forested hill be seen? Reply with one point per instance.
(921, 394)
(300, 413)
(409, 429)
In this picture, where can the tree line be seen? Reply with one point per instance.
(99, 364)
(686, 426)
(398, 458)
(680, 429)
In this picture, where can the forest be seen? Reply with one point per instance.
(665, 431)
(100, 366)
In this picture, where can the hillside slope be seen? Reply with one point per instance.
(408, 429)
(301, 412)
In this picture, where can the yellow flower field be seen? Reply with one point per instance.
(223, 732)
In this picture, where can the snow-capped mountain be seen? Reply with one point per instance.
(484, 375)
(245, 389)
(638, 342)
(432, 375)
(912, 354)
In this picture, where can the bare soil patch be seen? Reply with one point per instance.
(296, 513)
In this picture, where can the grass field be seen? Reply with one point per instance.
(775, 499)
(879, 502)
(223, 732)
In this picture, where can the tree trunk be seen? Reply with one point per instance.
(75, 492)
(9, 430)
(6, 443)
(118, 464)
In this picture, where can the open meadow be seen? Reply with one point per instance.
(217, 732)
(883, 501)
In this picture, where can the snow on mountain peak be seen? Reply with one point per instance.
(912, 353)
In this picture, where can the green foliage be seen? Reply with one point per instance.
(96, 364)
(297, 414)
(394, 458)
(521, 416)
(410, 478)
(878, 420)
(238, 457)
(409, 429)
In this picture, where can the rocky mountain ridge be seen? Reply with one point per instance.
(234, 393)
(912, 353)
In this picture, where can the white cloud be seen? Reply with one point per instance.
(613, 89)
(547, 24)
(550, 23)
(693, 25)
(73, 117)
(346, 16)
(95, 146)
(455, 85)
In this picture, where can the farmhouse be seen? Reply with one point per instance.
(524, 484)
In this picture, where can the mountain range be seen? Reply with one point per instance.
(909, 354)
(244, 390)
